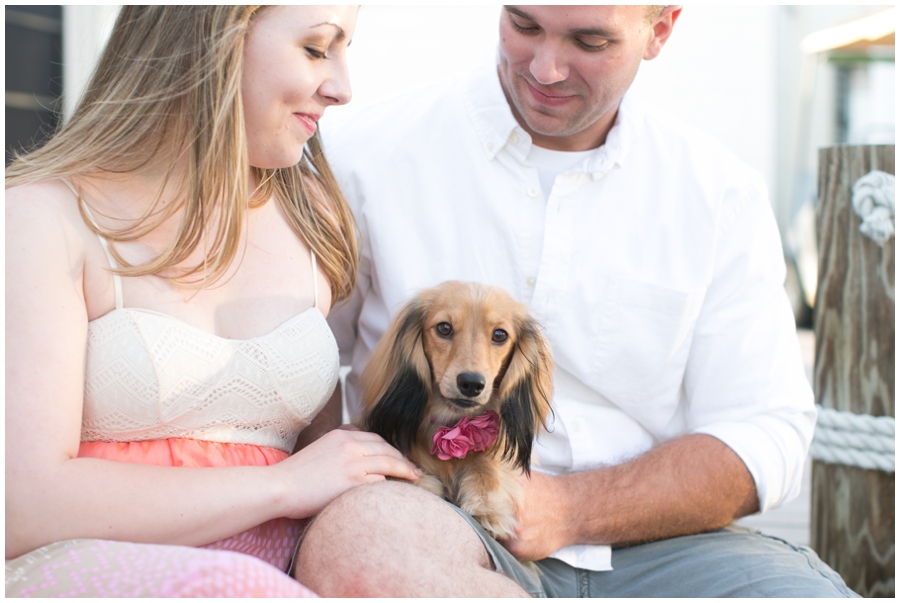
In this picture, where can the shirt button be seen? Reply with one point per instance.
(532, 192)
(576, 426)
(514, 138)
(489, 146)
(531, 281)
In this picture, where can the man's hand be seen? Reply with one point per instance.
(542, 518)
(689, 485)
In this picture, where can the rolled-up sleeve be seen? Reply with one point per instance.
(745, 380)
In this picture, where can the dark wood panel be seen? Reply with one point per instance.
(27, 129)
(33, 61)
(33, 76)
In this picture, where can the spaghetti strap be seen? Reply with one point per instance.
(315, 275)
(72, 188)
(117, 280)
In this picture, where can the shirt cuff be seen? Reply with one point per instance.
(593, 557)
(773, 449)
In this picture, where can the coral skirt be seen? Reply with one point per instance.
(273, 541)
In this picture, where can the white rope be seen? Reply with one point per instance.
(846, 438)
(873, 202)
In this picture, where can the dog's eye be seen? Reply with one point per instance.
(499, 336)
(444, 329)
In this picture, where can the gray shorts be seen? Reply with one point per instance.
(731, 562)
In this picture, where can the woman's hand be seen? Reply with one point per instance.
(339, 460)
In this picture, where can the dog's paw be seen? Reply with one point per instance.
(496, 515)
(499, 526)
(432, 484)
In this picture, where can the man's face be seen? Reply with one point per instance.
(564, 69)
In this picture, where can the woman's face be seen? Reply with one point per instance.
(294, 67)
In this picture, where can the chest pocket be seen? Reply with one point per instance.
(644, 339)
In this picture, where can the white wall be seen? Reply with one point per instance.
(716, 72)
(398, 48)
(85, 30)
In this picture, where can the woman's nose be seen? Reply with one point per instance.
(336, 88)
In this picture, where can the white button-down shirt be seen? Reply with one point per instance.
(655, 267)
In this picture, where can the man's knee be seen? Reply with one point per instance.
(376, 535)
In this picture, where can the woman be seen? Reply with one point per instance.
(171, 255)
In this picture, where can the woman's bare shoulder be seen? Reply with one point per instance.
(48, 205)
(45, 216)
(44, 195)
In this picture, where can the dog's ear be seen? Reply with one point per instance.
(525, 392)
(397, 379)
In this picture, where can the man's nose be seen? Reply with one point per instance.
(548, 65)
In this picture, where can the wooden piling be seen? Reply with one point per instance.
(852, 515)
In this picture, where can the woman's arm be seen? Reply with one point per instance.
(51, 494)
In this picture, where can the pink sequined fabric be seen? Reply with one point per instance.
(103, 568)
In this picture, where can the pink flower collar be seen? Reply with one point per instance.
(475, 434)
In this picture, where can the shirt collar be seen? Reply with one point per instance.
(496, 127)
(489, 111)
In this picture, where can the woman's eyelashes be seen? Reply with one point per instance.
(315, 53)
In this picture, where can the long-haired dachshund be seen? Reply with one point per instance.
(460, 383)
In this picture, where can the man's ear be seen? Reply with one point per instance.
(662, 29)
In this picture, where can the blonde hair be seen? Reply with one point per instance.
(168, 87)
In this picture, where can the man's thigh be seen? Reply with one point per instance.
(732, 562)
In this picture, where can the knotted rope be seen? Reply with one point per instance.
(847, 438)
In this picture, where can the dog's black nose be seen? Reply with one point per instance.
(470, 384)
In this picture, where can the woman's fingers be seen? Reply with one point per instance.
(360, 436)
(381, 457)
(373, 445)
(370, 454)
(336, 462)
(392, 467)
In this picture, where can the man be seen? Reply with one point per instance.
(651, 257)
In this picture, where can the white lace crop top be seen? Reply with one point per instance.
(150, 376)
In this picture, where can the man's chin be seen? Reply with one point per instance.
(547, 126)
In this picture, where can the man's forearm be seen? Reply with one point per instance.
(693, 484)
(690, 485)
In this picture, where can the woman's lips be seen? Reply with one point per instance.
(308, 121)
